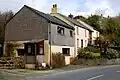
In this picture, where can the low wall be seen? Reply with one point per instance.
(12, 62)
(97, 61)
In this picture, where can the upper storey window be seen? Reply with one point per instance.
(60, 30)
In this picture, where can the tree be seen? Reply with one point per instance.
(4, 17)
(108, 35)
(94, 20)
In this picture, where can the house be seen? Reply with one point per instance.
(82, 33)
(40, 35)
(92, 36)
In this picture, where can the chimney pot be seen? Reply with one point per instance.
(54, 8)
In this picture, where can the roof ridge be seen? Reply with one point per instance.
(73, 21)
(49, 17)
(36, 12)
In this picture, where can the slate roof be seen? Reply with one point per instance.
(76, 22)
(87, 25)
(50, 18)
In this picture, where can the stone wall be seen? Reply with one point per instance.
(97, 61)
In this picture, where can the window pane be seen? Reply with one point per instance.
(29, 49)
(66, 51)
(60, 30)
(41, 51)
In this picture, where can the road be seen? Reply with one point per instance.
(94, 73)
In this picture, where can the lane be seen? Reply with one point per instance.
(95, 73)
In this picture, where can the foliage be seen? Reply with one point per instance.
(92, 49)
(89, 52)
(13, 62)
(58, 60)
(83, 53)
(111, 54)
(11, 50)
(116, 41)
(4, 18)
(94, 20)
(19, 62)
(73, 61)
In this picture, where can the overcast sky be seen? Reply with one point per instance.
(76, 7)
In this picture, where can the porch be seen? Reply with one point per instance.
(36, 54)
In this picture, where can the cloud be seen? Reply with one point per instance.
(99, 6)
(76, 7)
(14, 5)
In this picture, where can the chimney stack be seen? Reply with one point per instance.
(70, 16)
(54, 8)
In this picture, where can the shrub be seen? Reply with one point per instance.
(92, 49)
(11, 50)
(111, 53)
(73, 61)
(83, 53)
(19, 62)
(58, 60)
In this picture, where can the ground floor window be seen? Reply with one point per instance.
(66, 51)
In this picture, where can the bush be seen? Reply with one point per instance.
(58, 60)
(83, 53)
(111, 54)
(92, 49)
(73, 61)
(11, 50)
(19, 62)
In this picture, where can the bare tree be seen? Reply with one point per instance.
(4, 18)
(100, 12)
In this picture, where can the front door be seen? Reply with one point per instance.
(30, 53)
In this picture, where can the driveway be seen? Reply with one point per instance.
(94, 73)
